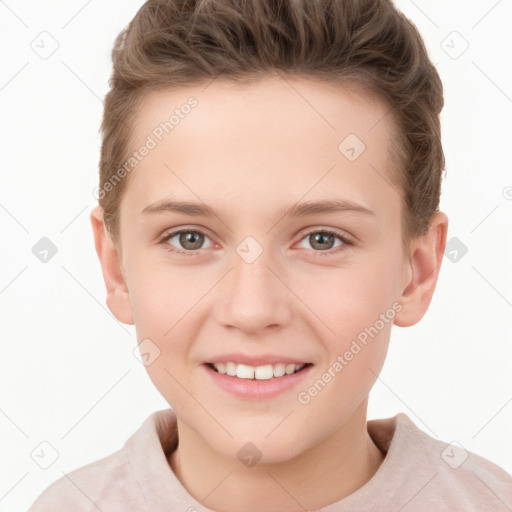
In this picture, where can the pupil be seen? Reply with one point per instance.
(193, 238)
(320, 239)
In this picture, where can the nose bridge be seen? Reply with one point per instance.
(254, 298)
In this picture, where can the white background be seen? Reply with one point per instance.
(68, 374)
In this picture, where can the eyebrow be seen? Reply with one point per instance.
(296, 210)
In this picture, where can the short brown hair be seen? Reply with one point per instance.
(175, 43)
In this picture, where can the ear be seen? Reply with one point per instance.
(118, 298)
(426, 256)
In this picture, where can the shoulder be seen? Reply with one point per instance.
(128, 479)
(121, 481)
(97, 485)
(451, 475)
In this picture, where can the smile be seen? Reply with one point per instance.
(265, 372)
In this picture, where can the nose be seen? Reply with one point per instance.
(253, 296)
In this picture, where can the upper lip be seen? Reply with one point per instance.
(256, 360)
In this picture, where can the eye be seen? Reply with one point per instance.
(323, 240)
(190, 240)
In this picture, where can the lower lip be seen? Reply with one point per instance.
(253, 388)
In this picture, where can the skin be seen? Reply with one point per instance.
(248, 152)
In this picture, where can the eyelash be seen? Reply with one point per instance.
(345, 241)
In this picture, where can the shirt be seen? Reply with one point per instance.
(419, 473)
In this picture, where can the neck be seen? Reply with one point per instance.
(324, 474)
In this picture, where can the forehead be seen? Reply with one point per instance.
(276, 139)
(287, 102)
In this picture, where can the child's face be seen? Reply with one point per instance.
(248, 153)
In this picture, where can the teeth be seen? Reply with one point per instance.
(268, 371)
(244, 372)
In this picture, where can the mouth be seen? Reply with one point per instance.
(265, 372)
(256, 382)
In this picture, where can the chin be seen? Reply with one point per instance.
(251, 448)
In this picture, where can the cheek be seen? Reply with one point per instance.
(163, 293)
(355, 356)
(163, 302)
(351, 297)
(355, 306)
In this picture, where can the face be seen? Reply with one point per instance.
(308, 286)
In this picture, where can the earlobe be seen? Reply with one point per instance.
(118, 298)
(422, 270)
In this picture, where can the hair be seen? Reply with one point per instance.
(367, 43)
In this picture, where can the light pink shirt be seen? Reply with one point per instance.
(418, 474)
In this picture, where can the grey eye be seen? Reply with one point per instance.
(322, 240)
(188, 239)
